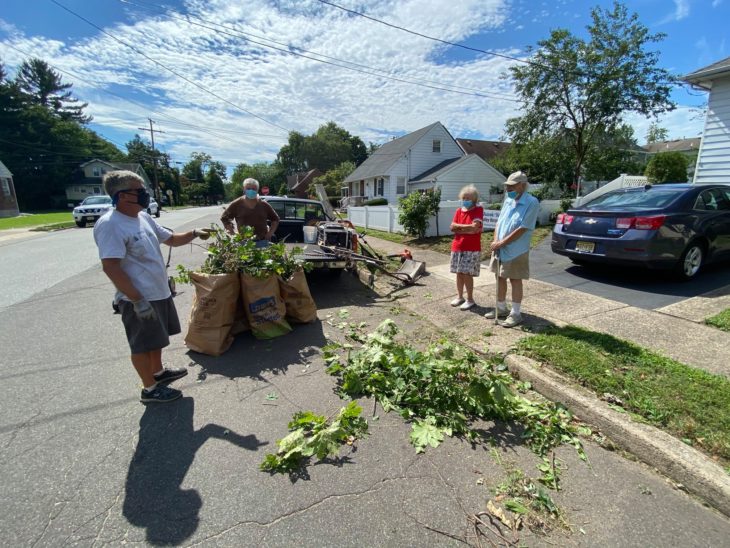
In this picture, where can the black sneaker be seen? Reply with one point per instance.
(167, 375)
(160, 394)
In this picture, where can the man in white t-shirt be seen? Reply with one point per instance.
(129, 248)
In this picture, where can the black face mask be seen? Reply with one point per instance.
(143, 197)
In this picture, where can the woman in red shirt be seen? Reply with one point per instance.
(466, 249)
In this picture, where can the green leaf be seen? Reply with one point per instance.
(514, 505)
(425, 433)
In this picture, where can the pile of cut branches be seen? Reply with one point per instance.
(441, 391)
(238, 253)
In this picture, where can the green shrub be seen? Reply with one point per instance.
(415, 210)
(377, 202)
(667, 167)
(494, 206)
(566, 204)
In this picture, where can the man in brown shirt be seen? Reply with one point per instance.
(250, 210)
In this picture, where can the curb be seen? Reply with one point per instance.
(683, 464)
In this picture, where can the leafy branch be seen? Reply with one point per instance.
(442, 390)
(313, 436)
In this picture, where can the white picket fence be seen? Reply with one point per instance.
(385, 217)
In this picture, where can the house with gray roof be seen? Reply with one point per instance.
(90, 177)
(427, 158)
(713, 161)
(8, 199)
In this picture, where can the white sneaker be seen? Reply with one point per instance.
(467, 305)
(503, 313)
(457, 301)
(512, 320)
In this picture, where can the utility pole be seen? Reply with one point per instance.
(156, 189)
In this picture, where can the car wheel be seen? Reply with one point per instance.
(691, 261)
(81, 224)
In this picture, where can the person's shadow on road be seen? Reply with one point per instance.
(166, 449)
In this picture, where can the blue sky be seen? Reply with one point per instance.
(241, 97)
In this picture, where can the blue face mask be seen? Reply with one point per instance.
(467, 203)
(250, 193)
(512, 194)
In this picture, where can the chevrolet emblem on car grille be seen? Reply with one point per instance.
(591, 222)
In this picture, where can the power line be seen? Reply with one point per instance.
(462, 46)
(203, 88)
(142, 106)
(371, 71)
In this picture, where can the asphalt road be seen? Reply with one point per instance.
(84, 463)
(640, 288)
(31, 262)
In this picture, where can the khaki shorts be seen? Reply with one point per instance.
(516, 269)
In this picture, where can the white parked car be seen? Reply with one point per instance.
(153, 208)
(91, 209)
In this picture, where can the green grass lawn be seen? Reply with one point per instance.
(721, 320)
(36, 219)
(689, 403)
(442, 244)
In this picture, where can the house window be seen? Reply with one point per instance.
(436, 145)
(400, 187)
(97, 190)
(97, 172)
(6, 186)
(380, 187)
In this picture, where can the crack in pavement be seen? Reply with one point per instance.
(383, 483)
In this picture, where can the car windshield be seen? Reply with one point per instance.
(653, 199)
(95, 200)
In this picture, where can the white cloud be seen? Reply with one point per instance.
(292, 92)
(716, 3)
(681, 11)
(683, 122)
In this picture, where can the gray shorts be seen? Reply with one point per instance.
(148, 335)
(516, 269)
(466, 262)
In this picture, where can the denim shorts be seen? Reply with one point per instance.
(148, 335)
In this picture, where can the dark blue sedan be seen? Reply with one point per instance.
(667, 226)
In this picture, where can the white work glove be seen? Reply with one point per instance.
(203, 233)
(144, 310)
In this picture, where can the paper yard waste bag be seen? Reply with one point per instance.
(240, 321)
(212, 312)
(264, 307)
(300, 306)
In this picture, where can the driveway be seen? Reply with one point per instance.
(649, 290)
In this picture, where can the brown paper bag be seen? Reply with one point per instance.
(212, 313)
(240, 321)
(300, 306)
(264, 307)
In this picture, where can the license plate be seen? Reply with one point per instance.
(90, 219)
(585, 247)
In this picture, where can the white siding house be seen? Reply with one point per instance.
(713, 161)
(452, 177)
(90, 181)
(426, 158)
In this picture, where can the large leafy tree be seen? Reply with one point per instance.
(43, 86)
(267, 174)
(43, 145)
(325, 149)
(667, 167)
(578, 89)
(656, 133)
(332, 180)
